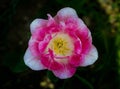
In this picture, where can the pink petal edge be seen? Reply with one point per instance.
(33, 62)
(64, 13)
(37, 24)
(91, 57)
(33, 47)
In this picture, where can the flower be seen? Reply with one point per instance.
(60, 44)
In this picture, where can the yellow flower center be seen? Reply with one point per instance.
(61, 44)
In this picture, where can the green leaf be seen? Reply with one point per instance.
(84, 81)
(15, 62)
(20, 67)
(52, 77)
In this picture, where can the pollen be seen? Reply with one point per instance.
(61, 45)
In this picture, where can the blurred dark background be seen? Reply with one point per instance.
(101, 16)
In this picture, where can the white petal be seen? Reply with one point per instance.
(81, 24)
(37, 23)
(91, 57)
(32, 62)
(66, 12)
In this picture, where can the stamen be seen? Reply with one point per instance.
(61, 45)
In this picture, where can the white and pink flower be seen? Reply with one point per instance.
(60, 44)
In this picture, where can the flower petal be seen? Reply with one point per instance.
(82, 25)
(66, 72)
(78, 47)
(65, 13)
(33, 46)
(43, 44)
(50, 63)
(37, 24)
(91, 57)
(75, 60)
(86, 39)
(33, 62)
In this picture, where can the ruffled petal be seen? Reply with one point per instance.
(50, 63)
(34, 46)
(37, 24)
(86, 39)
(43, 44)
(66, 72)
(65, 13)
(81, 25)
(90, 58)
(33, 62)
(82, 30)
(74, 60)
(77, 47)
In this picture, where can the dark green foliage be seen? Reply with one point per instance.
(52, 77)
